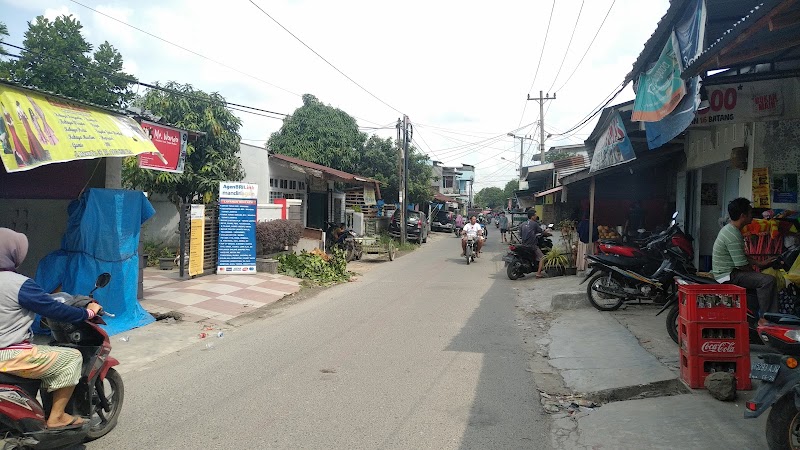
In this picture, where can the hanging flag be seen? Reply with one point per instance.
(660, 89)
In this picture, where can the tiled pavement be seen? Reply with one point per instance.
(213, 298)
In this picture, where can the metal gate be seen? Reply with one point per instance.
(210, 238)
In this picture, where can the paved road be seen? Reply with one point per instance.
(419, 353)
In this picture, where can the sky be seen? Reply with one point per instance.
(461, 70)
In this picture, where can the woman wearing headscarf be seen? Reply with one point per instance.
(21, 299)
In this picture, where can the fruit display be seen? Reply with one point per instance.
(607, 232)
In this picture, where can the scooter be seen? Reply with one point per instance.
(521, 259)
(98, 395)
(615, 280)
(780, 381)
(351, 246)
(470, 251)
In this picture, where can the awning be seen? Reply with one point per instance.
(649, 159)
(439, 197)
(318, 170)
(39, 128)
(549, 191)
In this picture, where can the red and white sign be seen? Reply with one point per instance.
(743, 102)
(170, 142)
(718, 347)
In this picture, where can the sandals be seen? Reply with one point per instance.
(73, 424)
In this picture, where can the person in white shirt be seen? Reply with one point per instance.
(472, 230)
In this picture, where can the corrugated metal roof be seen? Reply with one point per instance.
(338, 175)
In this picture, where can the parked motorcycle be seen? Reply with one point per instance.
(521, 259)
(98, 395)
(780, 381)
(351, 246)
(615, 280)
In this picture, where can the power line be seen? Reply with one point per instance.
(323, 58)
(567, 50)
(539, 64)
(589, 47)
(597, 111)
(184, 48)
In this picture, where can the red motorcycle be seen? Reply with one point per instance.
(98, 395)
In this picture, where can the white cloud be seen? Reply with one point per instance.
(52, 13)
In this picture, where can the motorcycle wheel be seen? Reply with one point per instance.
(101, 421)
(672, 323)
(469, 254)
(783, 424)
(603, 302)
(512, 272)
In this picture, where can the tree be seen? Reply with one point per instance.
(380, 160)
(211, 159)
(511, 187)
(58, 59)
(3, 32)
(491, 197)
(557, 155)
(320, 133)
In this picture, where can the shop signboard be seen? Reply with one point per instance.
(237, 228)
(197, 223)
(613, 147)
(38, 129)
(660, 89)
(745, 102)
(761, 188)
(170, 142)
(784, 188)
(369, 196)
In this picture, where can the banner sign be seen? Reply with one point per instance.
(170, 142)
(613, 147)
(237, 228)
(761, 189)
(369, 196)
(784, 188)
(197, 223)
(745, 102)
(660, 89)
(690, 32)
(37, 129)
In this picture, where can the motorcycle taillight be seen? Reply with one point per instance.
(512, 247)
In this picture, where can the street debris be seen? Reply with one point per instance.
(175, 316)
(721, 386)
(125, 338)
(573, 405)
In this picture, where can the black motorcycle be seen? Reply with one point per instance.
(351, 246)
(521, 259)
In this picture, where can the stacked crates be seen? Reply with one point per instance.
(712, 333)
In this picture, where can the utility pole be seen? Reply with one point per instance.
(541, 99)
(521, 142)
(402, 141)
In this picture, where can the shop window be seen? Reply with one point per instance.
(447, 182)
(275, 194)
(284, 184)
(302, 185)
(293, 185)
(272, 182)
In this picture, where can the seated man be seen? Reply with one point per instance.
(730, 264)
(472, 230)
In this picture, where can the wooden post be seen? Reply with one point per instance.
(591, 216)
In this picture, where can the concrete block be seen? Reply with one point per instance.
(570, 300)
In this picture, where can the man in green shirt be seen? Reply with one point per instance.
(730, 264)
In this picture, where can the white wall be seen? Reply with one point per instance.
(163, 227)
(256, 169)
(710, 214)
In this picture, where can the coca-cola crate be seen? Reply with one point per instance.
(712, 303)
(695, 369)
(713, 338)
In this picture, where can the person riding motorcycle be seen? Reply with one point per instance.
(529, 232)
(21, 299)
(730, 264)
(474, 231)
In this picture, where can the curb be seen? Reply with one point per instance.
(570, 300)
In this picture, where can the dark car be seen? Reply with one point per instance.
(442, 221)
(416, 226)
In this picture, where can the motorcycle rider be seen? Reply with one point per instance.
(472, 230)
(339, 234)
(529, 233)
(21, 299)
(730, 264)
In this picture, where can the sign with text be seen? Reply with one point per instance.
(237, 228)
(197, 223)
(613, 147)
(170, 142)
(37, 129)
(761, 188)
(369, 196)
(660, 89)
(745, 102)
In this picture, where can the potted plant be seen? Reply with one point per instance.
(568, 232)
(166, 259)
(555, 262)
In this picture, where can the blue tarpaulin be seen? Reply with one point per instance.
(102, 236)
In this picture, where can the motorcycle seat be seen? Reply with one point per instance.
(782, 319)
(7, 378)
(698, 280)
(620, 261)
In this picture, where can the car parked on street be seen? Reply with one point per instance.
(416, 226)
(442, 221)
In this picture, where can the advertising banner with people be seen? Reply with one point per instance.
(170, 142)
(37, 129)
(660, 89)
(613, 147)
(238, 205)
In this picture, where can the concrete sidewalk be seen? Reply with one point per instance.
(644, 405)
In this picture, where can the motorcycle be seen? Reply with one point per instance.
(780, 381)
(615, 280)
(470, 251)
(98, 395)
(521, 259)
(351, 246)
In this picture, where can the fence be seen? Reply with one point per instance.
(210, 238)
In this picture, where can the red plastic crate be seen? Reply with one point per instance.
(690, 295)
(695, 369)
(713, 338)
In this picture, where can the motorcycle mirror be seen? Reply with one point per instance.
(673, 222)
(675, 215)
(102, 280)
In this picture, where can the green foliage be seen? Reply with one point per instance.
(554, 258)
(313, 267)
(511, 187)
(274, 235)
(557, 155)
(492, 197)
(568, 232)
(58, 59)
(3, 32)
(154, 251)
(209, 160)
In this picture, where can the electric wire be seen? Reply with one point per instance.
(569, 44)
(589, 47)
(539, 64)
(322, 57)
(596, 112)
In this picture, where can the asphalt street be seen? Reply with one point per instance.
(418, 353)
